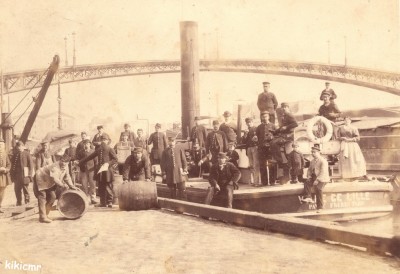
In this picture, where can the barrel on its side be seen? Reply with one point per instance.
(72, 204)
(137, 195)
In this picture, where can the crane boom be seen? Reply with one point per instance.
(40, 98)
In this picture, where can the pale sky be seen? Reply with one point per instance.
(31, 32)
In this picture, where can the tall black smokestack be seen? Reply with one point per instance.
(190, 94)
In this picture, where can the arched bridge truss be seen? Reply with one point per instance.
(379, 80)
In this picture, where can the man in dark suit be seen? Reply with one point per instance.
(71, 153)
(98, 137)
(265, 135)
(21, 172)
(223, 180)
(216, 143)
(228, 127)
(80, 146)
(174, 169)
(104, 172)
(198, 134)
(331, 92)
(159, 141)
(131, 134)
(86, 174)
(283, 135)
(137, 167)
(267, 102)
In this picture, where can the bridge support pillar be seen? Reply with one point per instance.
(190, 66)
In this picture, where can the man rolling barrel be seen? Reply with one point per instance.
(46, 180)
(137, 167)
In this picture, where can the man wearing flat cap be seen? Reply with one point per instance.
(46, 180)
(97, 138)
(251, 142)
(265, 134)
(328, 109)
(198, 134)
(137, 166)
(223, 180)
(130, 133)
(86, 174)
(317, 177)
(174, 169)
(267, 102)
(216, 142)
(159, 141)
(228, 127)
(328, 90)
(21, 172)
(5, 166)
(104, 171)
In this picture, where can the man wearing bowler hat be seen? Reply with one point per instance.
(228, 128)
(317, 177)
(98, 137)
(331, 92)
(174, 169)
(104, 172)
(159, 141)
(223, 180)
(265, 136)
(137, 166)
(198, 134)
(46, 180)
(267, 102)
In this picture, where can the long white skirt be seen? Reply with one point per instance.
(352, 161)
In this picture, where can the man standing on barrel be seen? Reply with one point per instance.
(174, 169)
(46, 180)
(223, 180)
(104, 172)
(137, 167)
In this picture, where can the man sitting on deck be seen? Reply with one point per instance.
(328, 109)
(223, 180)
(317, 177)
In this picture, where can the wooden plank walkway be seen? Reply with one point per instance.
(309, 229)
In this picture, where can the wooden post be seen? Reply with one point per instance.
(239, 125)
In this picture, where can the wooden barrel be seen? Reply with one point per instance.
(117, 182)
(137, 195)
(72, 204)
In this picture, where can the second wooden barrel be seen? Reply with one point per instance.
(137, 195)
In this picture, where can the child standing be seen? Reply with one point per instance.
(296, 164)
(233, 156)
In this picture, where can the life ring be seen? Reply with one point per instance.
(328, 126)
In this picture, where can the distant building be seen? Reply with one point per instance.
(45, 123)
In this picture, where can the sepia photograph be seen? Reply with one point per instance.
(199, 136)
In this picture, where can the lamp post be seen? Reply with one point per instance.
(66, 55)
(74, 58)
(329, 51)
(345, 50)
